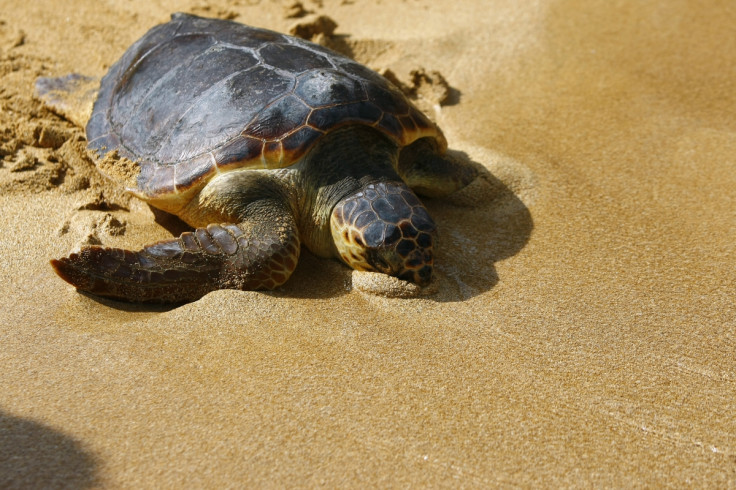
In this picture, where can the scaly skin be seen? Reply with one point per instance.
(187, 268)
(385, 228)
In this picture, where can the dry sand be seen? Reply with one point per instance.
(583, 327)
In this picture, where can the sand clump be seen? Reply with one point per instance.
(389, 286)
(421, 85)
(32, 164)
(119, 169)
(295, 10)
(92, 228)
(314, 27)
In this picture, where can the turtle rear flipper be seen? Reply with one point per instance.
(249, 256)
(71, 96)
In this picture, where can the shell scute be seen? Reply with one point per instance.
(163, 179)
(297, 143)
(278, 118)
(390, 125)
(273, 154)
(147, 73)
(145, 177)
(251, 38)
(384, 95)
(292, 58)
(217, 115)
(320, 88)
(195, 96)
(239, 149)
(193, 170)
(407, 123)
(331, 117)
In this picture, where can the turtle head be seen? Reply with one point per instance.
(385, 228)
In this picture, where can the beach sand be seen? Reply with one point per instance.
(582, 326)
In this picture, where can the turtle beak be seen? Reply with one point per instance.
(385, 228)
(415, 250)
(422, 277)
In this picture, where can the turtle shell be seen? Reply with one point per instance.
(197, 96)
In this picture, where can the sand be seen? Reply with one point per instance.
(582, 328)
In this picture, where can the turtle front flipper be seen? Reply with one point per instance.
(249, 256)
(430, 172)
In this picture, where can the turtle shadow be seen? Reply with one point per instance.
(131, 307)
(316, 278)
(479, 226)
(33, 455)
(170, 222)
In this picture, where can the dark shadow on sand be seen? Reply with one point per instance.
(475, 234)
(33, 455)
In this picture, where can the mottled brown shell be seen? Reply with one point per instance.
(196, 96)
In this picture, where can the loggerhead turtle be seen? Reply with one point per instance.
(262, 142)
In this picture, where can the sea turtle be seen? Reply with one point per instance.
(262, 142)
